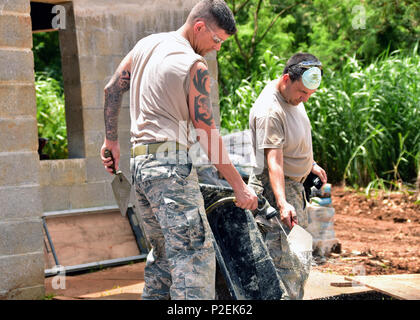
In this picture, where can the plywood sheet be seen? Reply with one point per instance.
(89, 237)
(399, 286)
(323, 285)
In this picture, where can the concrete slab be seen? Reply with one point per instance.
(127, 283)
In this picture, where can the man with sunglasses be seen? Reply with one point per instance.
(169, 87)
(282, 144)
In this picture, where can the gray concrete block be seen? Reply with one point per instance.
(20, 134)
(15, 31)
(95, 171)
(62, 172)
(55, 198)
(19, 168)
(15, 6)
(20, 202)
(94, 119)
(91, 95)
(17, 100)
(71, 75)
(18, 65)
(28, 293)
(20, 237)
(85, 41)
(21, 271)
(93, 142)
(88, 195)
(95, 68)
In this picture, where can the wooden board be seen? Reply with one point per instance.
(90, 237)
(399, 286)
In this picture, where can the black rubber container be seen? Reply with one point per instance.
(245, 270)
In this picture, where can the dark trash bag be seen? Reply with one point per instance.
(245, 270)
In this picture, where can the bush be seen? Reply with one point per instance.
(51, 115)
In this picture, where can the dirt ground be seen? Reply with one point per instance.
(378, 235)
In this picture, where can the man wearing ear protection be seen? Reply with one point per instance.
(282, 144)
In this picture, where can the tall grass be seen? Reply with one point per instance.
(365, 120)
(51, 115)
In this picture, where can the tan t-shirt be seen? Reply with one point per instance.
(159, 89)
(276, 124)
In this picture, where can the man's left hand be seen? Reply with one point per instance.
(316, 169)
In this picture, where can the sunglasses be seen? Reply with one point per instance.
(216, 39)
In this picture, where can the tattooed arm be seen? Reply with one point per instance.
(114, 90)
(202, 117)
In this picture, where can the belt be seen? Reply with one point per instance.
(152, 148)
(297, 179)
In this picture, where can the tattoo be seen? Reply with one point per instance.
(119, 84)
(202, 106)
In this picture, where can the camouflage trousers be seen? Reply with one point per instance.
(276, 240)
(181, 264)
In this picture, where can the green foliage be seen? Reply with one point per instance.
(47, 58)
(365, 116)
(50, 94)
(365, 119)
(51, 116)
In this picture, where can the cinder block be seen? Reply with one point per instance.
(55, 198)
(91, 22)
(85, 42)
(20, 237)
(28, 293)
(62, 172)
(94, 120)
(19, 168)
(95, 170)
(71, 74)
(20, 134)
(102, 43)
(88, 195)
(16, 6)
(93, 142)
(95, 68)
(21, 271)
(91, 98)
(17, 100)
(17, 65)
(15, 31)
(20, 202)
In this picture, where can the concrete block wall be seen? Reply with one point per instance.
(98, 34)
(21, 244)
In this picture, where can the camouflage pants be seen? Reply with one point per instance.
(275, 239)
(181, 263)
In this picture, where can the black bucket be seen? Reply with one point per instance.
(245, 270)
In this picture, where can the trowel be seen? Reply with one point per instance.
(120, 186)
(299, 239)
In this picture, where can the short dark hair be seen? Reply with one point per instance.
(295, 72)
(214, 12)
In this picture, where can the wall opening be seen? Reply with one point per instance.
(57, 81)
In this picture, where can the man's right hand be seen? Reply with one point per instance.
(246, 198)
(287, 214)
(114, 147)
